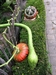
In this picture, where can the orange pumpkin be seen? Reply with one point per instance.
(23, 48)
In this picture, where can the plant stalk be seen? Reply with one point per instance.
(14, 47)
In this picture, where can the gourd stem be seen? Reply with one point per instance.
(7, 39)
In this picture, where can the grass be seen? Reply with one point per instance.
(38, 30)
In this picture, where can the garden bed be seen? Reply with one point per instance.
(38, 30)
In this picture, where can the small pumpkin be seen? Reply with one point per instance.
(23, 52)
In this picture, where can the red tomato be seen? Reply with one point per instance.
(23, 52)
